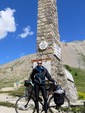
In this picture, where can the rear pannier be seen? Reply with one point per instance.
(59, 95)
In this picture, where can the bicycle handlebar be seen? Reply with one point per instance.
(31, 83)
(27, 82)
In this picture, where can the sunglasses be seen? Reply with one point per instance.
(39, 63)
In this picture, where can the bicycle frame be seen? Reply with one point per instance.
(30, 96)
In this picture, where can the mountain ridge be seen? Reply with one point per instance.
(73, 54)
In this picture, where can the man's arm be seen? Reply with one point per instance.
(47, 74)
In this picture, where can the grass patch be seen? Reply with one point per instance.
(81, 95)
(7, 104)
(5, 92)
(79, 77)
(18, 92)
(78, 109)
(5, 83)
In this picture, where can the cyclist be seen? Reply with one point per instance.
(38, 76)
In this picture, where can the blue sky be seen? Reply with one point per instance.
(18, 26)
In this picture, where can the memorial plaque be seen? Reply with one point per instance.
(57, 51)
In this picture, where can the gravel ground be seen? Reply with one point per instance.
(10, 110)
(6, 110)
(6, 98)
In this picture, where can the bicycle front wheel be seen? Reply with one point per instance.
(53, 108)
(25, 105)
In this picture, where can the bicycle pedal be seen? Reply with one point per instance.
(23, 108)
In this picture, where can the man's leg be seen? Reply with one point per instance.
(44, 93)
(36, 88)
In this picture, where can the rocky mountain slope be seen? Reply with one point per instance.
(73, 54)
(16, 71)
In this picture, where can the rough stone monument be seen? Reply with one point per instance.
(48, 46)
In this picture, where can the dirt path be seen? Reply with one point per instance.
(6, 98)
(6, 110)
(10, 110)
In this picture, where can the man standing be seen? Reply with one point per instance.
(38, 76)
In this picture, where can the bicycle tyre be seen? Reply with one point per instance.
(24, 105)
(65, 108)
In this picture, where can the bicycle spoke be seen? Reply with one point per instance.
(53, 108)
(24, 105)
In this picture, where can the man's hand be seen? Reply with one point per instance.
(55, 83)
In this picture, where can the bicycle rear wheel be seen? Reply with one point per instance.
(25, 105)
(53, 108)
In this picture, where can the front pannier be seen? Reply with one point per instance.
(26, 83)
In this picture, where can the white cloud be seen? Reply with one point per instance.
(26, 32)
(7, 22)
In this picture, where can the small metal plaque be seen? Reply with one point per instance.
(43, 45)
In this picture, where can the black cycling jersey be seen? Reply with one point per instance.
(39, 74)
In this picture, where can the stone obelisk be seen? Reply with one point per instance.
(48, 45)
